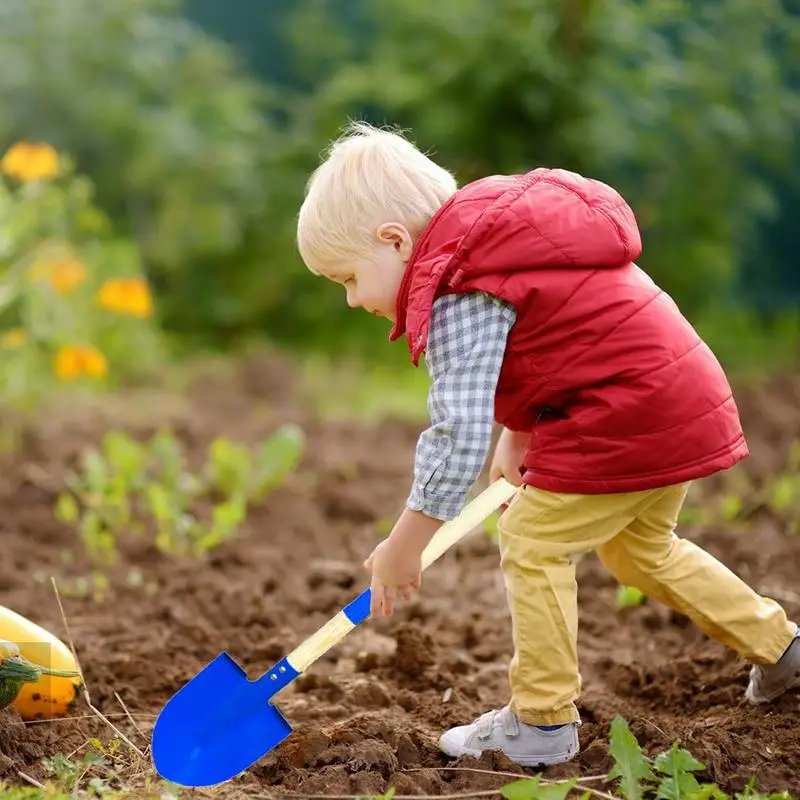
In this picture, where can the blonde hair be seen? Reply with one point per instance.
(369, 176)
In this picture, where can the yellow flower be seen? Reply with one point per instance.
(14, 337)
(126, 296)
(72, 362)
(30, 161)
(63, 274)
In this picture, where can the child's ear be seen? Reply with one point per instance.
(398, 236)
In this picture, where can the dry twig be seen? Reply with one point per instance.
(31, 781)
(578, 787)
(130, 717)
(521, 776)
(83, 716)
(85, 688)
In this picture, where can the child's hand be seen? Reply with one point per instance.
(395, 568)
(508, 457)
(396, 563)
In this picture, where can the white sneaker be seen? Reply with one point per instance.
(769, 683)
(526, 745)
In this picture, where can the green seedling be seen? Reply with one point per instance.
(490, 526)
(127, 485)
(99, 500)
(235, 471)
(629, 597)
(779, 494)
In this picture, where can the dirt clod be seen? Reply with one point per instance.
(415, 651)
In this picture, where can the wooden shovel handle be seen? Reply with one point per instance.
(472, 515)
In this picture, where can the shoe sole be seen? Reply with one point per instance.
(556, 758)
(764, 699)
(792, 684)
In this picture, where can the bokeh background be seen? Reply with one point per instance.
(164, 147)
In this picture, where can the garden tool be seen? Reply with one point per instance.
(221, 722)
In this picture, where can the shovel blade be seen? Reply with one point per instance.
(217, 725)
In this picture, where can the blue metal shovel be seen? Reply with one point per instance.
(221, 722)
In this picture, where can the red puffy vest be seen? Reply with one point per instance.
(618, 391)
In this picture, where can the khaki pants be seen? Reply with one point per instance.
(634, 536)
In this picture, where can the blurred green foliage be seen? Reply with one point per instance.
(171, 132)
(200, 150)
(683, 106)
(75, 308)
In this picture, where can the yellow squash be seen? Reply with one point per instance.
(50, 696)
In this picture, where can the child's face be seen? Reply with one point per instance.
(372, 283)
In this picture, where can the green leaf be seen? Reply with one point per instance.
(631, 767)
(521, 790)
(532, 789)
(67, 510)
(229, 515)
(731, 506)
(629, 597)
(276, 458)
(169, 457)
(678, 765)
(158, 502)
(751, 793)
(98, 540)
(124, 454)
(490, 526)
(785, 492)
(709, 791)
(96, 472)
(229, 465)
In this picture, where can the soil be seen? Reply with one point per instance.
(368, 714)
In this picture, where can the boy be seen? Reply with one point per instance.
(523, 292)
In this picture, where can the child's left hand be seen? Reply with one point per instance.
(395, 568)
(396, 563)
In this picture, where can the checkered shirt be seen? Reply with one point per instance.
(466, 345)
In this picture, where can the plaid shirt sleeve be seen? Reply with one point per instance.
(466, 345)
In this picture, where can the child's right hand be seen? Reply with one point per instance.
(508, 457)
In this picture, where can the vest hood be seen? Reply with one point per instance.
(545, 219)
